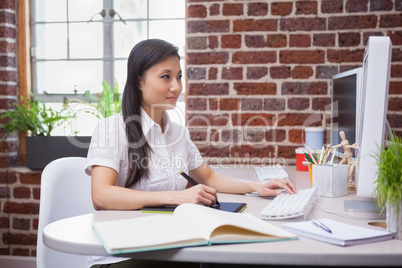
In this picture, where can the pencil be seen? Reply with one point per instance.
(192, 181)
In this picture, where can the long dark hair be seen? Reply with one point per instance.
(143, 56)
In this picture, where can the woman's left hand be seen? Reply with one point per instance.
(272, 187)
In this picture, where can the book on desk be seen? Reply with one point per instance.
(189, 225)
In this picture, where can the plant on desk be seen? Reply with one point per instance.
(389, 183)
(35, 121)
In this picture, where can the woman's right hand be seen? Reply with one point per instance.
(198, 194)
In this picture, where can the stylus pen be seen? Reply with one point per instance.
(192, 181)
(322, 226)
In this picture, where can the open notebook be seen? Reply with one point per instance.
(343, 234)
(190, 225)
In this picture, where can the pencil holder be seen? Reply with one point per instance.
(310, 171)
(330, 181)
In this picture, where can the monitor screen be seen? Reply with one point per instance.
(345, 106)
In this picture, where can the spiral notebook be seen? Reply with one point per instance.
(343, 234)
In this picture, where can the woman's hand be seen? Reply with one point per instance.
(198, 194)
(272, 187)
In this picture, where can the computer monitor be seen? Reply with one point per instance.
(376, 73)
(345, 106)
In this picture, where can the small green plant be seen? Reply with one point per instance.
(33, 117)
(107, 102)
(389, 181)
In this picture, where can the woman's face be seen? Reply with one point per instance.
(161, 85)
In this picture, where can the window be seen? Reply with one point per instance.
(78, 44)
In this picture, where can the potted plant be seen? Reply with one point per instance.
(389, 183)
(107, 102)
(36, 120)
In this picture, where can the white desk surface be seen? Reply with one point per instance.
(75, 235)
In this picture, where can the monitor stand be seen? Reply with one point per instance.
(364, 209)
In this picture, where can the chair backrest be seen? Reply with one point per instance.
(65, 192)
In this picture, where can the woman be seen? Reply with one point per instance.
(135, 157)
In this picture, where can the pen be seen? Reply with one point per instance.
(322, 226)
(308, 158)
(192, 181)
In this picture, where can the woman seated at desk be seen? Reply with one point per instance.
(135, 157)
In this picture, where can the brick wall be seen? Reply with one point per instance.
(19, 186)
(260, 71)
(257, 70)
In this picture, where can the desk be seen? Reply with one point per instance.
(75, 235)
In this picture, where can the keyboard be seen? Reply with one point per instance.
(270, 172)
(286, 206)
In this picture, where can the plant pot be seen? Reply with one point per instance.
(394, 220)
(41, 150)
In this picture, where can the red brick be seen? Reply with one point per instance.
(274, 104)
(324, 40)
(33, 177)
(396, 37)
(213, 73)
(207, 58)
(8, 75)
(255, 88)
(8, 161)
(352, 22)
(395, 104)
(7, 61)
(288, 152)
(303, 24)
(231, 135)
(305, 88)
(252, 135)
(277, 135)
(294, 119)
(8, 32)
(198, 42)
(19, 239)
(4, 222)
(254, 57)
(298, 104)
(214, 10)
(196, 11)
(36, 193)
(196, 103)
(7, 4)
(278, 72)
(7, 104)
(215, 151)
(356, 6)
(306, 7)
(251, 104)
(302, 56)
(251, 25)
(256, 72)
(213, 104)
(276, 40)
(299, 40)
(232, 73)
(382, 5)
(281, 8)
(207, 119)
(253, 119)
(267, 151)
(321, 104)
(395, 87)
(228, 104)
(21, 224)
(204, 89)
(333, 6)
(396, 55)
(232, 9)
(389, 21)
(302, 72)
(8, 146)
(210, 26)
(8, 90)
(345, 55)
(21, 208)
(257, 9)
(214, 136)
(296, 136)
(7, 47)
(255, 41)
(231, 41)
(395, 120)
(22, 193)
(194, 73)
(213, 42)
(396, 70)
(198, 134)
(4, 192)
(349, 39)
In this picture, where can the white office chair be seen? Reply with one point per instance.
(65, 192)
